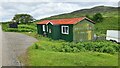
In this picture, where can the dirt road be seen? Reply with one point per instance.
(13, 45)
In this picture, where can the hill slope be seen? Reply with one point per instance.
(110, 15)
(106, 11)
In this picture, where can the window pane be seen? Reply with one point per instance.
(63, 29)
(66, 29)
(43, 27)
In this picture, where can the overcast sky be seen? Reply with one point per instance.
(45, 9)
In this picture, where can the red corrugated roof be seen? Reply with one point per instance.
(64, 21)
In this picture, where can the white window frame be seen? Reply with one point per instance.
(67, 32)
(43, 26)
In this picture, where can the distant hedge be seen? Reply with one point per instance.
(19, 30)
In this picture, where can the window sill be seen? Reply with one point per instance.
(65, 33)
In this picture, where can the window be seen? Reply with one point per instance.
(43, 27)
(47, 28)
(65, 29)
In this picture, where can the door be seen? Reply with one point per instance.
(49, 30)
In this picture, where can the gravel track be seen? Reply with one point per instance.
(13, 45)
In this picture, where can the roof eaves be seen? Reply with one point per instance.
(79, 20)
(90, 20)
(49, 22)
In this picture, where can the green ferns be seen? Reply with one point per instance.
(95, 46)
(105, 47)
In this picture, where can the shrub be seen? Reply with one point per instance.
(101, 46)
(79, 46)
(75, 49)
(108, 49)
(19, 30)
(67, 48)
(36, 46)
(98, 17)
(12, 29)
(62, 46)
(83, 50)
(27, 27)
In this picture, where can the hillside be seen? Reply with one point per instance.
(110, 15)
(106, 11)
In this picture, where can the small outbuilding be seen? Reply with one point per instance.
(72, 29)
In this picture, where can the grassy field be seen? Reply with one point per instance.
(38, 57)
(44, 55)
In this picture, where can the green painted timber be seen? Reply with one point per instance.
(50, 30)
(67, 37)
(56, 32)
(39, 29)
(53, 31)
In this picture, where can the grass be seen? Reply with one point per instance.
(38, 57)
(21, 28)
(109, 23)
(43, 55)
(63, 46)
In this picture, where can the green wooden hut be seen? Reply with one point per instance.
(72, 29)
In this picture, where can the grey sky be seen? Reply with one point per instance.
(44, 9)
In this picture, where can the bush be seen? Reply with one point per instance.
(75, 49)
(98, 17)
(95, 46)
(101, 46)
(27, 27)
(12, 29)
(108, 49)
(19, 30)
(36, 46)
